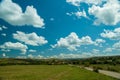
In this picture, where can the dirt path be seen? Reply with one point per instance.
(105, 72)
(108, 73)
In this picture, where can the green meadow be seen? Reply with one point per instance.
(48, 72)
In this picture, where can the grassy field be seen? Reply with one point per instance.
(48, 72)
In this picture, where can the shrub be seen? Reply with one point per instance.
(86, 64)
(111, 69)
(96, 69)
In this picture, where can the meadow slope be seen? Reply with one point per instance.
(48, 72)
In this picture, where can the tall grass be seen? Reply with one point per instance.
(115, 68)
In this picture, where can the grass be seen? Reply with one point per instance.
(115, 68)
(48, 72)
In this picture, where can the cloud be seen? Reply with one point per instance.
(35, 56)
(108, 14)
(86, 40)
(52, 19)
(14, 46)
(78, 14)
(95, 51)
(31, 50)
(30, 39)
(30, 56)
(4, 55)
(111, 34)
(4, 50)
(81, 14)
(62, 56)
(72, 55)
(2, 27)
(117, 45)
(98, 42)
(72, 41)
(40, 57)
(3, 34)
(13, 14)
(108, 50)
(77, 2)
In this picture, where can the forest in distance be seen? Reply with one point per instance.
(112, 60)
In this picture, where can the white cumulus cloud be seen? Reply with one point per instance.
(108, 50)
(2, 27)
(98, 42)
(31, 50)
(35, 56)
(111, 34)
(72, 55)
(14, 46)
(65, 56)
(13, 14)
(117, 45)
(72, 41)
(30, 38)
(108, 14)
(77, 2)
(78, 14)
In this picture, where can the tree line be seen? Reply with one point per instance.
(112, 60)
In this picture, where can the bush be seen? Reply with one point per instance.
(111, 69)
(86, 64)
(96, 69)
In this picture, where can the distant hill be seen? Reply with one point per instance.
(93, 60)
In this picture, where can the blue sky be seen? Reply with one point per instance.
(59, 29)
